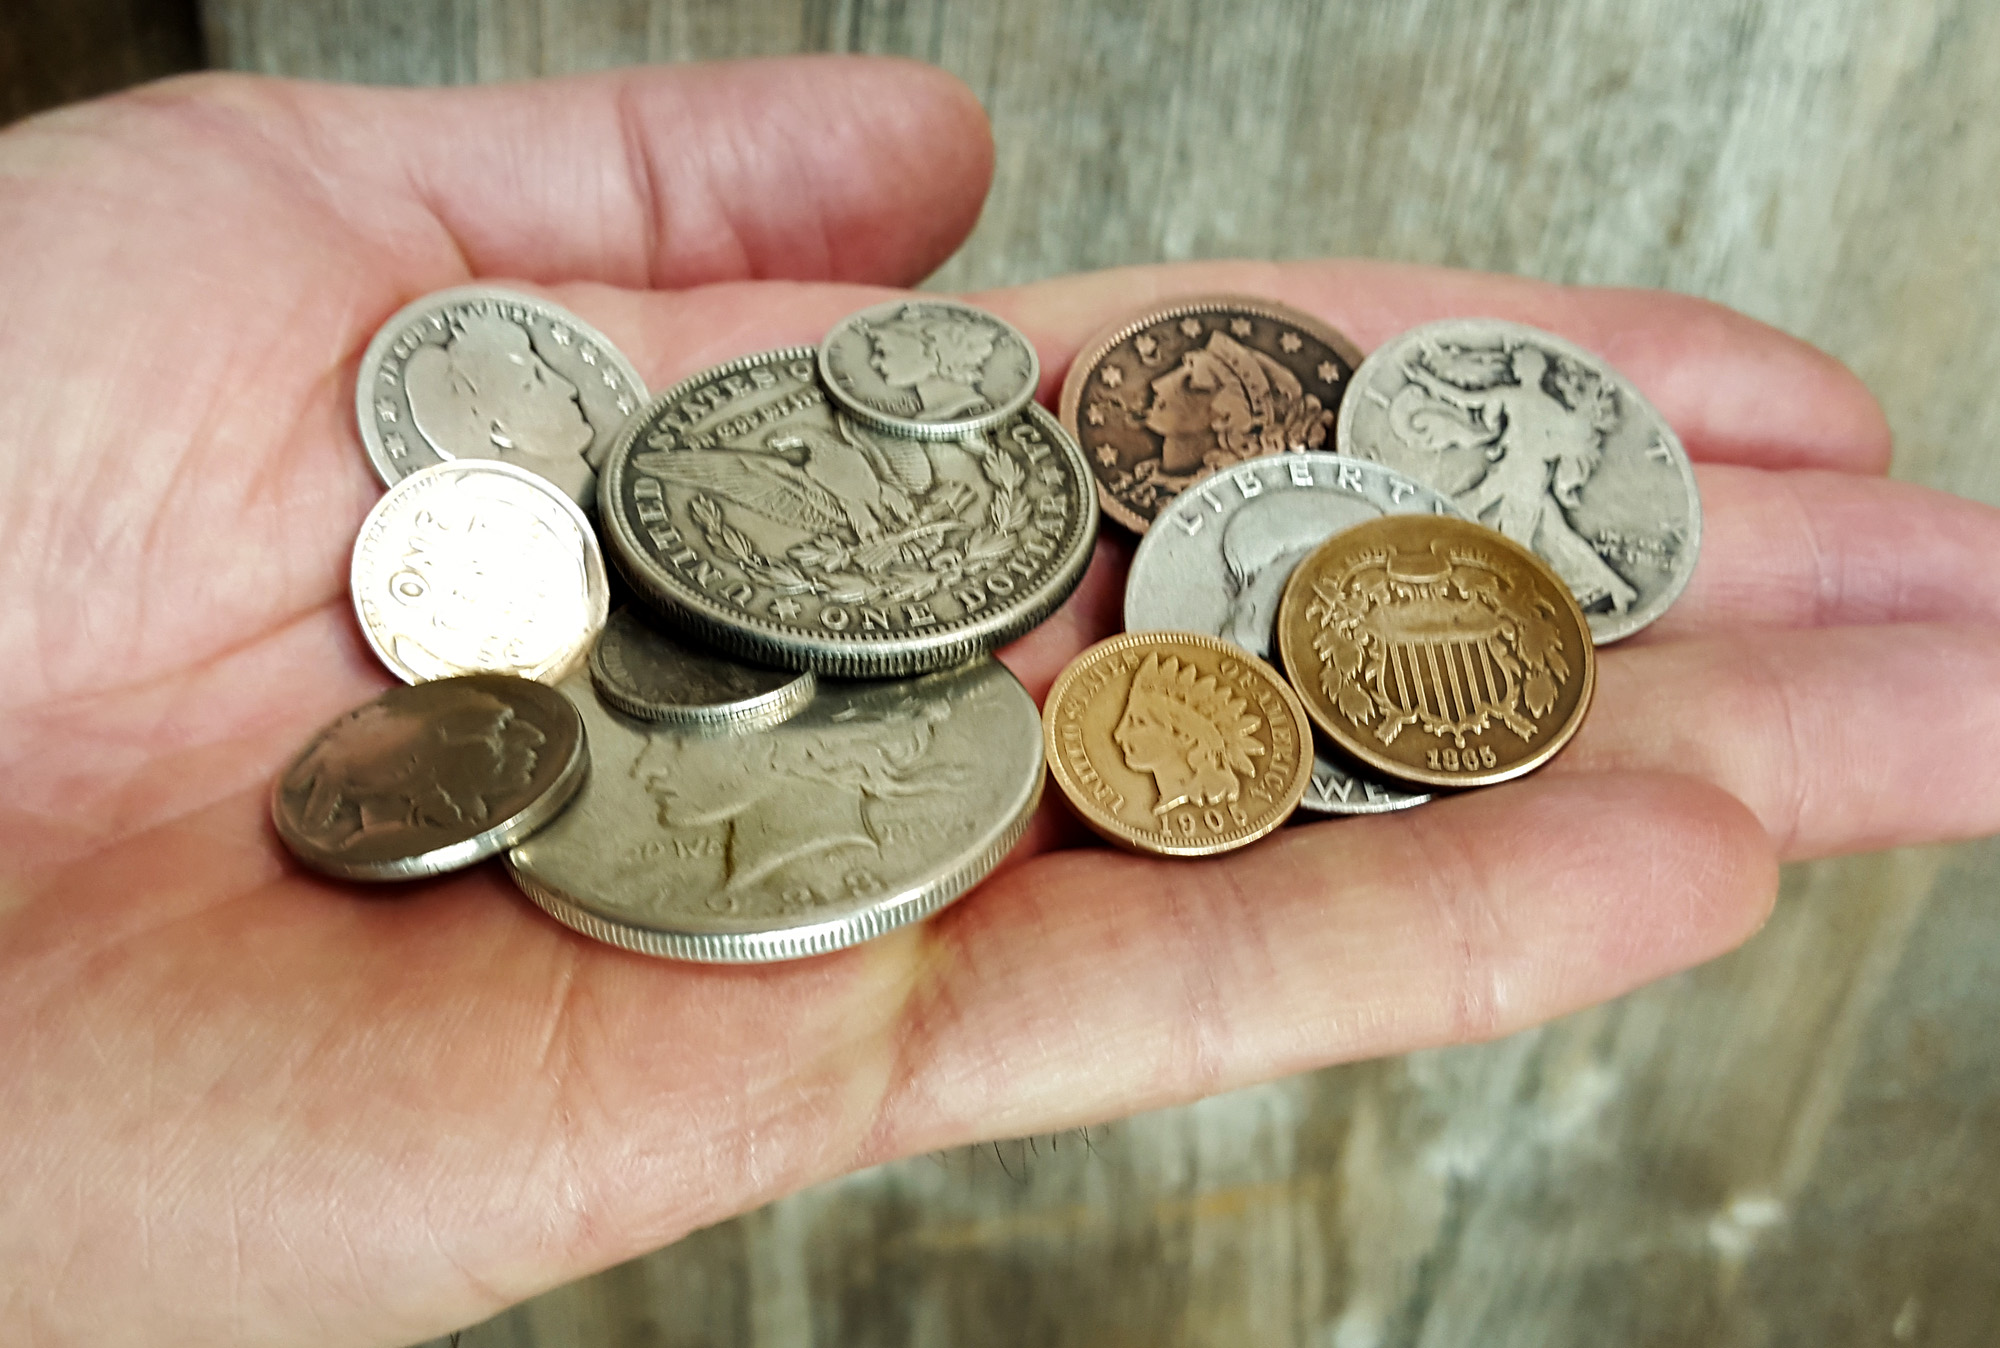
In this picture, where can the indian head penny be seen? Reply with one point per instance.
(1437, 652)
(1177, 743)
(875, 806)
(430, 778)
(485, 373)
(930, 368)
(1548, 444)
(751, 513)
(1217, 558)
(475, 566)
(649, 673)
(1163, 398)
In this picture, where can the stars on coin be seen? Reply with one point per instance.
(1107, 456)
(1329, 372)
(786, 608)
(1290, 343)
(1191, 326)
(1096, 414)
(386, 410)
(1239, 327)
(587, 354)
(1111, 376)
(396, 445)
(1148, 349)
(625, 406)
(561, 334)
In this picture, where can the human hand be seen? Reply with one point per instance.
(245, 1104)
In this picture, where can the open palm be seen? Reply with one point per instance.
(243, 1104)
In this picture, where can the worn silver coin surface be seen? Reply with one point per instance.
(744, 506)
(431, 778)
(874, 807)
(1538, 438)
(485, 373)
(1218, 556)
(649, 673)
(929, 368)
(478, 567)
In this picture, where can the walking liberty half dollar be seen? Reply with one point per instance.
(930, 368)
(747, 509)
(484, 373)
(477, 566)
(648, 673)
(1217, 558)
(1436, 651)
(1181, 390)
(430, 778)
(874, 807)
(1548, 444)
(1176, 743)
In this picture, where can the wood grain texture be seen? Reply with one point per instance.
(1798, 1144)
(57, 51)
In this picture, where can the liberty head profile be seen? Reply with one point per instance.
(486, 394)
(1225, 403)
(1263, 543)
(1195, 737)
(939, 357)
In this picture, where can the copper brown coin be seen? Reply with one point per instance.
(1436, 651)
(1162, 398)
(1177, 744)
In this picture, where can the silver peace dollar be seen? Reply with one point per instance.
(748, 510)
(485, 373)
(651, 674)
(1217, 558)
(1545, 442)
(478, 567)
(874, 807)
(430, 778)
(930, 368)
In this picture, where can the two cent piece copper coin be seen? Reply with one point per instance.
(1177, 744)
(1438, 652)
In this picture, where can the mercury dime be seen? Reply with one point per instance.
(750, 511)
(478, 566)
(430, 778)
(872, 808)
(485, 373)
(1176, 743)
(1548, 444)
(1436, 651)
(930, 368)
(1217, 558)
(1160, 399)
(647, 673)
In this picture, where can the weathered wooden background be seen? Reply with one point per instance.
(1798, 1144)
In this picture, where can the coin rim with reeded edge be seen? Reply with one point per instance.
(750, 713)
(927, 430)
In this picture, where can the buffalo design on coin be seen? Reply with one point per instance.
(1161, 399)
(930, 368)
(647, 673)
(1217, 558)
(430, 778)
(875, 806)
(1176, 743)
(1436, 651)
(753, 513)
(1546, 443)
(484, 373)
(477, 566)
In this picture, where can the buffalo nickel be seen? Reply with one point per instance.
(930, 368)
(653, 675)
(430, 778)
(872, 808)
(485, 373)
(1217, 558)
(1546, 443)
(757, 517)
(475, 566)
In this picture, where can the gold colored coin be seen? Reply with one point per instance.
(1177, 744)
(1437, 651)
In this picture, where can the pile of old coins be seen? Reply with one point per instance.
(790, 735)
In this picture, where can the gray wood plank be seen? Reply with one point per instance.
(58, 51)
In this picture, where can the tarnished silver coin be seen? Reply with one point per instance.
(648, 673)
(930, 368)
(751, 512)
(431, 778)
(1540, 439)
(485, 373)
(874, 807)
(478, 567)
(1217, 558)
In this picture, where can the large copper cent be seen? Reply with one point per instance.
(1437, 651)
(1177, 744)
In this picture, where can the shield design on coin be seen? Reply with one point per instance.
(1442, 640)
